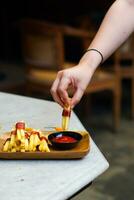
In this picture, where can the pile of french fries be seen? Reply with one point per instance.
(24, 139)
(66, 117)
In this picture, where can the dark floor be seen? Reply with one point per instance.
(117, 183)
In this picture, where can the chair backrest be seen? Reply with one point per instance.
(42, 44)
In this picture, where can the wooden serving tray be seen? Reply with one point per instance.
(79, 151)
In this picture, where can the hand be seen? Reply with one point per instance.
(76, 78)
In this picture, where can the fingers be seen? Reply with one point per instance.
(54, 87)
(77, 97)
(59, 89)
(62, 89)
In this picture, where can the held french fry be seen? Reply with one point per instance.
(66, 117)
(65, 123)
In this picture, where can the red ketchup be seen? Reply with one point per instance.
(20, 125)
(27, 136)
(43, 138)
(66, 113)
(64, 139)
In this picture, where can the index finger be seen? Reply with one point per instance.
(54, 90)
(62, 89)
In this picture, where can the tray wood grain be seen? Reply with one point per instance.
(81, 150)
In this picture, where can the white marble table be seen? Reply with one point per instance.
(43, 179)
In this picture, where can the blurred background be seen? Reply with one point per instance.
(38, 38)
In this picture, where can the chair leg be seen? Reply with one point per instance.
(132, 103)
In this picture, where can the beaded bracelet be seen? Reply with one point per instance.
(102, 58)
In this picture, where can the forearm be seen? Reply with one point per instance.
(116, 27)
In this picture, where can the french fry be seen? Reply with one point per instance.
(66, 117)
(6, 146)
(18, 135)
(26, 144)
(31, 143)
(12, 141)
(22, 150)
(25, 139)
(43, 145)
(17, 148)
(22, 133)
(36, 139)
(65, 123)
(13, 149)
(22, 145)
(20, 127)
(46, 146)
(34, 149)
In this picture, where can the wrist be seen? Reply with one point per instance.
(91, 59)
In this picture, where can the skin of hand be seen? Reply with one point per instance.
(77, 78)
(116, 27)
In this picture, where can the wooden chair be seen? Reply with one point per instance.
(43, 52)
(124, 65)
(105, 81)
(44, 55)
